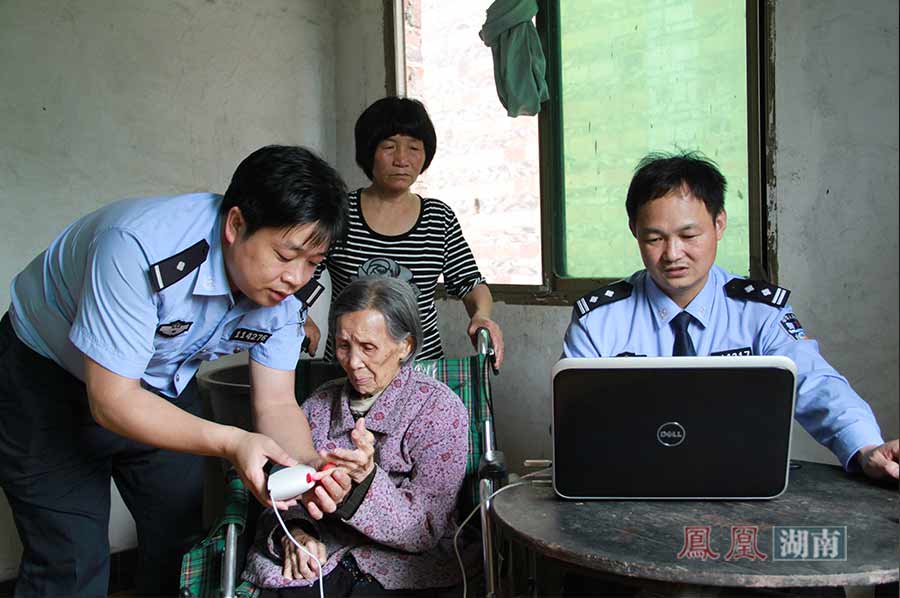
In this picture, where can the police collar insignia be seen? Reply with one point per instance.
(173, 329)
(603, 296)
(757, 290)
(249, 336)
(792, 326)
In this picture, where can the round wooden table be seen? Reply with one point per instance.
(663, 543)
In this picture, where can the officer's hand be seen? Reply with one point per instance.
(880, 461)
(249, 452)
(327, 494)
(313, 334)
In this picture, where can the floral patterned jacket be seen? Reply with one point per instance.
(402, 532)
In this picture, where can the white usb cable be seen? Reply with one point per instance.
(297, 544)
(477, 508)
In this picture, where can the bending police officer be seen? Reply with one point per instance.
(99, 349)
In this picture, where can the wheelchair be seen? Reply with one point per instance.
(211, 568)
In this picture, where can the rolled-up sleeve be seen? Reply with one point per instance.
(281, 351)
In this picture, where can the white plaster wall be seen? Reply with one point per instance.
(836, 191)
(360, 76)
(102, 99)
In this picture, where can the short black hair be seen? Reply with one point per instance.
(283, 186)
(392, 116)
(657, 174)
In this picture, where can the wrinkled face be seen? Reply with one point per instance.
(366, 351)
(398, 162)
(270, 264)
(677, 238)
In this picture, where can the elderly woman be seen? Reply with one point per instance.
(396, 233)
(401, 436)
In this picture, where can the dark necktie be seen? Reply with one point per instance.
(683, 343)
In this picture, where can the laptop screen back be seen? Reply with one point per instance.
(694, 427)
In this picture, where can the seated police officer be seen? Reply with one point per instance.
(682, 304)
(98, 352)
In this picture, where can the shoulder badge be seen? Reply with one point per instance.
(757, 290)
(603, 296)
(167, 272)
(309, 292)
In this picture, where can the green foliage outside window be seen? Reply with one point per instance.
(643, 76)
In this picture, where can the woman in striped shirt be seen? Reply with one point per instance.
(394, 232)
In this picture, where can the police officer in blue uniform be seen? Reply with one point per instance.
(99, 349)
(683, 304)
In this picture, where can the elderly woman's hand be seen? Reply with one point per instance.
(298, 564)
(360, 461)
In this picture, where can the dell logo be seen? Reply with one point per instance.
(670, 434)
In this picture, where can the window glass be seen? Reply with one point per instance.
(486, 164)
(638, 77)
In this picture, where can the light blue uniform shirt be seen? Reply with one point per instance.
(827, 407)
(90, 293)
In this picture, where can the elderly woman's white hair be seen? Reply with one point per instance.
(392, 298)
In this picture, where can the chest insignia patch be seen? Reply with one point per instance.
(249, 336)
(173, 329)
(733, 352)
(792, 326)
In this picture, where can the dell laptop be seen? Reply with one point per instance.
(672, 427)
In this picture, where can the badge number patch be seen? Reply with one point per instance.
(249, 336)
(733, 352)
(792, 326)
(173, 329)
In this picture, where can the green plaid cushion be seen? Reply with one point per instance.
(201, 568)
(469, 378)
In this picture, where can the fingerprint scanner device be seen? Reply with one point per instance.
(672, 427)
(286, 483)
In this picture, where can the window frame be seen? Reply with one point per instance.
(560, 290)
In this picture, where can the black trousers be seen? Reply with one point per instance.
(55, 468)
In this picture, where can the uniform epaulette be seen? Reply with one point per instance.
(167, 272)
(757, 290)
(309, 292)
(603, 296)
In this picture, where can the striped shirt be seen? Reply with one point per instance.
(434, 246)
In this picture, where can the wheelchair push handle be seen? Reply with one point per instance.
(485, 346)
